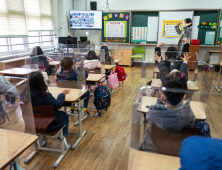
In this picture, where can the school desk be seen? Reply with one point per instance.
(54, 63)
(140, 160)
(73, 97)
(211, 52)
(95, 77)
(156, 72)
(109, 67)
(197, 108)
(193, 86)
(19, 71)
(12, 144)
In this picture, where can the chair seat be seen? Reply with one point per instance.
(137, 56)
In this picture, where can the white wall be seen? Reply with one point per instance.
(119, 5)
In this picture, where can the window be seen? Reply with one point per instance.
(12, 18)
(47, 38)
(3, 41)
(33, 39)
(20, 41)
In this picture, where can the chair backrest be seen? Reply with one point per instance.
(170, 142)
(66, 84)
(43, 116)
(140, 50)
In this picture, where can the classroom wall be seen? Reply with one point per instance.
(119, 5)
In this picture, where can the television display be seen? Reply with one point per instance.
(89, 20)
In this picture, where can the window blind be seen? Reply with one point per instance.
(12, 18)
(39, 15)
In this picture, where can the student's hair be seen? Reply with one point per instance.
(39, 50)
(106, 50)
(171, 52)
(66, 63)
(174, 98)
(91, 55)
(177, 75)
(37, 83)
(188, 20)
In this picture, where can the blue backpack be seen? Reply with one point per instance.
(205, 128)
(102, 98)
(3, 114)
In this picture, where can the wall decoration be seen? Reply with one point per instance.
(116, 15)
(169, 28)
(110, 15)
(121, 15)
(126, 17)
(105, 18)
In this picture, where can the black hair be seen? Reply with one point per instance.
(91, 55)
(39, 51)
(188, 20)
(171, 52)
(66, 63)
(174, 98)
(37, 83)
(177, 75)
(106, 50)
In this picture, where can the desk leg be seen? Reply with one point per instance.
(81, 134)
(218, 82)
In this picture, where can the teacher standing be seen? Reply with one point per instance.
(185, 33)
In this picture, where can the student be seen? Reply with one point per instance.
(10, 90)
(166, 67)
(185, 33)
(201, 153)
(41, 59)
(67, 73)
(41, 96)
(169, 113)
(91, 55)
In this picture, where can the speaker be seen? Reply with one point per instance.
(93, 5)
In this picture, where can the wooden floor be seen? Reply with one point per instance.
(106, 143)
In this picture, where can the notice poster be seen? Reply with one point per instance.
(169, 28)
(115, 28)
(209, 39)
(138, 34)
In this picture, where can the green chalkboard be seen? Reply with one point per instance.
(205, 16)
(116, 19)
(139, 19)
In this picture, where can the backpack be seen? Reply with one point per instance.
(102, 98)
(205, 128)
(121, 73)
(3, 115)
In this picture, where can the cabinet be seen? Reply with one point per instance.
(193, 49)
(125, 55)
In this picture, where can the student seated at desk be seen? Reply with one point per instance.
(166, 68)
(67, 73)
(40, 96)
(41, 59)
(10, 90)
(174, 116)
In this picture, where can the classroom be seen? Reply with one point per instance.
(110, 84)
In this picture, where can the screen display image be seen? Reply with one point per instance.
(85, 20)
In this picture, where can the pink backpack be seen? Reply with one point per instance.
(113, 80)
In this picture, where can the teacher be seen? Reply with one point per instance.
(185, 33)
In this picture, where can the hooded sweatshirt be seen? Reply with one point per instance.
(166, 119)
(6, 87)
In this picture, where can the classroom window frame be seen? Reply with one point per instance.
(27, 45)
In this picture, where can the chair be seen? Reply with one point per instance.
(170, 142)
(138, 52)
(43, 116)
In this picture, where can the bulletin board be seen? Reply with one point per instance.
(205, 16)
(115, 27)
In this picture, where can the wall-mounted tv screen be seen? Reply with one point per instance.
(89, 20)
